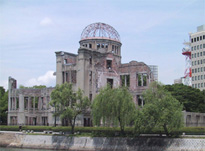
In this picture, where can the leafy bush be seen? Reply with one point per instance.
(192, 130)
(37, 128)
(105, 131)
(8, 128)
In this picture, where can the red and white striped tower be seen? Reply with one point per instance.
(188, 73)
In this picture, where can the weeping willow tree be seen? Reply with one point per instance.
(68, 104)
(161, 110)
(113, 107)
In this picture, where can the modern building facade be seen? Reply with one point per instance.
(197, 42)
(154, 70)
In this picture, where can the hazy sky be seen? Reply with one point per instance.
(151, 31)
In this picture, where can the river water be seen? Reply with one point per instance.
(20, 149)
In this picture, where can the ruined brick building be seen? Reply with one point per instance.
(97, 63)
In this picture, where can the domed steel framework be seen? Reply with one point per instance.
(100, 30)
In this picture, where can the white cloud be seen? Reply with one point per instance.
(46, 21)
(47, 79)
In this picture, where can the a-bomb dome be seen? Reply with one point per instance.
(100, 31)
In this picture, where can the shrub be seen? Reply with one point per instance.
(105, 131)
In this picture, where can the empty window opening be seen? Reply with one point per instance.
(36, 102)
(139, 100)
(66, 77)
(102, 45)
(90, 75)
(63, 77)
(113, 47)
(90, 96)
(11, 104)
(65, 61)
(197, 119)
(90, 60)
(109, 64)
(110, 82)
(87, 122)
(26, 103)
(32, 102)
(43, 103)
(17, 103)
(98, 46)
(44, 120)
(139, 79)
(106, 46)
(73, 76)
(125, 80)
(90, 45)
(144, 79)
(48, 100)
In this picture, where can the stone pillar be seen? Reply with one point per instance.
(39, 103)
(11, 104)
(21, 114)
(142, 79)
(34, 103)
(29, 103)
(15, 103)
(46, 99)
(59, 68)
(21, 103)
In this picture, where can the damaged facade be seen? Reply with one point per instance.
(29, 106)
(97, 64)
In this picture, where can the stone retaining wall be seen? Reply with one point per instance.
(101, 143)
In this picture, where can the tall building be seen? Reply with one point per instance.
(197, 43)
(154, 70)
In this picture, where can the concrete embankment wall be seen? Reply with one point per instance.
(100, 143)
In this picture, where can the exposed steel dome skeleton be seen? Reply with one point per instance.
(100, 30)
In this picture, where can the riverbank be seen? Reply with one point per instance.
(21, 140)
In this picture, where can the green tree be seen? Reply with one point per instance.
(113, 107)
(193, 99)
(161, 110)
(69, 104)
(3, 105)
(34, 87)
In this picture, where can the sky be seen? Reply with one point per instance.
(151, 31)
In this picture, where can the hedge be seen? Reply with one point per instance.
(104, 131)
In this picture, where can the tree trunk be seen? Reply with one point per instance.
(166, 130)
(121, 127)
(55, 118)
(72, 131)
(73, 125)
